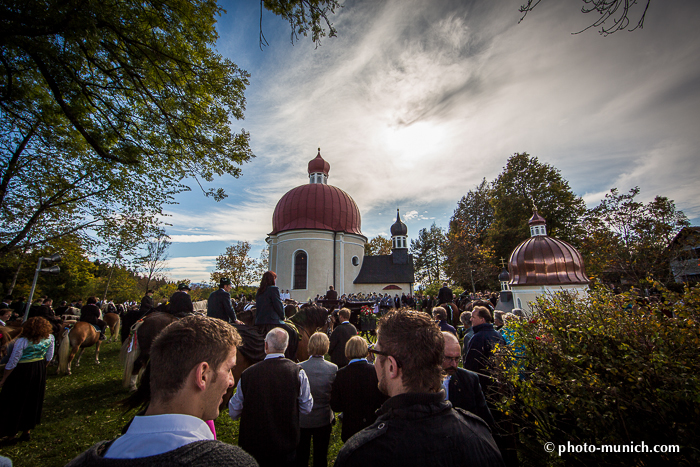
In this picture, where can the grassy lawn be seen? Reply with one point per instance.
(79, 411)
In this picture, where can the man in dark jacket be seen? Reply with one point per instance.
(339, 337)
(146, 303)
(180, 302)
(445, 294)
(90, 313)
(481, 346)
(331, 294)
(462, 386)
(416, 426)
(219, 303)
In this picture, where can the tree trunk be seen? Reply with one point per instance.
(14, 278)
(108, 282)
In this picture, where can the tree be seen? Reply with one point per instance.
(428, 254)
(236, 265)
(155, 261)
(631, 238)
(108, 106)
(378, 246)
(468, 257)
(618, 10)
(526, 183)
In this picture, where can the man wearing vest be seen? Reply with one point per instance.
(269, 398)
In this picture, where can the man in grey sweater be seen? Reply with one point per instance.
(191, 362)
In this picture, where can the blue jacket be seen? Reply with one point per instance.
(268, 307)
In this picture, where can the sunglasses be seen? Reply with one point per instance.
(384, 354)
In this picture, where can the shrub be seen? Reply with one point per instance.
(602, 370)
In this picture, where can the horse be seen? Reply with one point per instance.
(80, 336)
(306, 321)
(113, 322)
(136, 350)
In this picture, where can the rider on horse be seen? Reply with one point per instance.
(270, 312)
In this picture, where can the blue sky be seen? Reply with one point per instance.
(416, 101)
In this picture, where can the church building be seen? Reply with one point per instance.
(542, 265)
(316, 242)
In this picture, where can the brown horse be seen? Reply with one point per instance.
(114, 322)
(79, 337)
(136, 349)
(306, 321)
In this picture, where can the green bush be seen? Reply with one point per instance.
(603, 371)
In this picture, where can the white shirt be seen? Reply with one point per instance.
(151, 435)
(306, 402)
(446, 386)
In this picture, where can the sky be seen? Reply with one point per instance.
(415, 102)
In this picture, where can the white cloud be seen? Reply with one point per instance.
(195, 268)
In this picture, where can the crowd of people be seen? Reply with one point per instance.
(402, 401)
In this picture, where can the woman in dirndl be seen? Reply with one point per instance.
(24, 380)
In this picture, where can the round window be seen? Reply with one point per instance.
(355, 261)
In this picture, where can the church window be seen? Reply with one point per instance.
(300, 260)
(355, 261)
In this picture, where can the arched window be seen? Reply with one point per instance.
(300, 264)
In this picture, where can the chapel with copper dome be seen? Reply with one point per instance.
(316, 241)
(543, 264)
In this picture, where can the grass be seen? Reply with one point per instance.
(79, 410)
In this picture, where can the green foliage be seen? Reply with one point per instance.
(469, 258)
(628, 239)
(236, 265)
(378, 246)
(601, 370)
(525, 183)
(429, 255)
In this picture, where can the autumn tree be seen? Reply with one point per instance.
(378, 245)
(525, 183)
(629, 239)
(109, 107)
(236, 265)
(428, 255)
(468, 258)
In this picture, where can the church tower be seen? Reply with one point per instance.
(399, 241)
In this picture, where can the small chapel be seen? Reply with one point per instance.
(316, 242)
(540, 265)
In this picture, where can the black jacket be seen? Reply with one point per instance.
(465, 392)
(268, 307)
(339, 337)
(421, 429)
(90, 314)
(219, 306)
(479, 352)
(355, 393)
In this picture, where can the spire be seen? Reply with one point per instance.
(399, 228)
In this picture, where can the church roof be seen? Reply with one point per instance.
(398, 228)
(382, 270)
(316, 206)
(319, 164)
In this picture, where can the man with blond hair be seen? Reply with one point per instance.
(269, 398)
(191, 363)
(416, 426)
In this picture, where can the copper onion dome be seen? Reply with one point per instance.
(543, 260)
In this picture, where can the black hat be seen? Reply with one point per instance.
(183, 286)
(224, 281)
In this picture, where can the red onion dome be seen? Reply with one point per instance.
(319, 164)
(543, 260)
(316, 206)
(536, 219)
